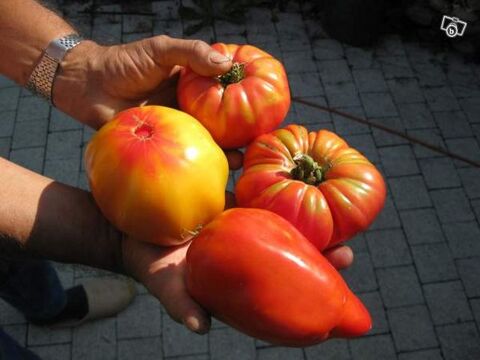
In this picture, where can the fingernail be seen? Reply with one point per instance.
(218, 58)
(193, 324)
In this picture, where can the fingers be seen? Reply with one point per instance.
(235, 159)
(340, 256)
(195, 54)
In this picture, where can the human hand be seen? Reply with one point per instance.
(162, 271)
(95, 82)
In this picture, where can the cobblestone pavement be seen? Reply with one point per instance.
(417, 268)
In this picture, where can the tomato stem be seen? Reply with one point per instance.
(307, 170)
(234, 75)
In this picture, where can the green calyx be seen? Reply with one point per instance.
(307, 170)
(234, 75)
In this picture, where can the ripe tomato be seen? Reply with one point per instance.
(328, 190)
(251, 99)
(156, 173)
(254, 271)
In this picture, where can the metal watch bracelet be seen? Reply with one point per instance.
(42, 77)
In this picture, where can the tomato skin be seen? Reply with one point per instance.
(144, 168)
(254, 271)
(241, 111)
(348, 199)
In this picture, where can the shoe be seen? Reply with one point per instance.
(106, 297)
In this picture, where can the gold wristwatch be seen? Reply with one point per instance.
(42, 77)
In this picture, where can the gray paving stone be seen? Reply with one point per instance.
(9, 98)
(405, 91)
(96, 341)
(171, 28)
(421, 226)
(65, 171)
(305, 84)
(137, 24)
(5, 147)
(463, 238)
(373, 302)
(373, 347)
(439, 173)
(471, 181)
(60, 121)
(88, 132)
(430, 74)
(441, 99)
(432, 354)
(358, 243)
(416, 116)
(191, 357)
(409, 192)
(412, 328)
(32, 108)
(466, 147)
(390, 45)
(30, 158)
(223, 27)
(459, 341)
(469, 270)
(448, 199)
(140, 349)
(361, 276)
(369, 80)
(30, 134)
(309, 115)
(64, 145)
(292, 33)
(7, 122)
(378, 105)
(398, 160)
(387, 218)
(126, 38)
(107, 34)
(388, 247)
(429, 136)
(53, 352)
(165, 10)
(9, 315)
(453, 124)
(476, 208)
(399, 286)
(342, 94)
(434, 262)
(365, 144)
(471, 107)
(280, 353)
(299, 62)
(17, 332)
(335, 349)
(447, 302)
(175, 336)
(475, 304)
(228, 343)
(396, 67)
(384, 138)
(345, 126)
(141, 318)
(46, 336)
(327, 49)
(334, 71)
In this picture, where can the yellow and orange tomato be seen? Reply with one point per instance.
(251, 99)
(156, 174)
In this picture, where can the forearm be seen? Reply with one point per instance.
(53, 220)
(26, 28)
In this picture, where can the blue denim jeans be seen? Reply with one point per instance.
(34, 288)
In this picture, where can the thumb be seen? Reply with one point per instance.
(196, 54)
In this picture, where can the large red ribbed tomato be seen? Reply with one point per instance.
(156, 174)
(253, 270)
(251, 99)
(327, 189)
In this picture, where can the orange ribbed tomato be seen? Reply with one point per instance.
(251, 99)
(156, 174)
(327, 189)
(254, 271)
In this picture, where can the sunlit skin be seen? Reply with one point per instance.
(148, 169)
(275, 285)
(237, 112)
(347, 198)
